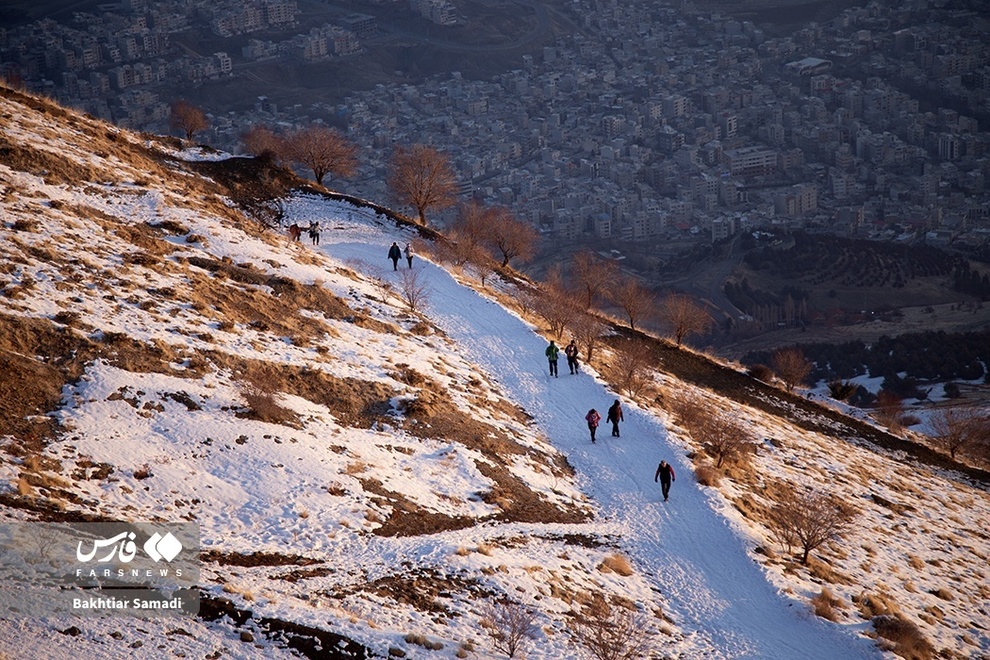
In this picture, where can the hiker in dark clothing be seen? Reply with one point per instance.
(314, 232)
(395, 253)
(615, 416)
(552, 353)
(592, 418)
(571, 351)
(665, 473)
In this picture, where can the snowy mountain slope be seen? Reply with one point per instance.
(381, 474)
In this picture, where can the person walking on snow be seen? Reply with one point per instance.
(314, 232)
(571, 351)
(552, 353)
(409, 254)
(615, 416)
(665, 473)
(394, 253)
(593, 418)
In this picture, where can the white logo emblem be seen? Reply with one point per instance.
(161, 547)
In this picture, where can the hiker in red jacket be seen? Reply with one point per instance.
(593, 418)
(665, 473)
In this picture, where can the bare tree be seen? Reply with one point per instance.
(483, 266)
(469, 230)
(634, 299)
(422, 177)
(188, 118)
(809, 520)
(512, 238)
(724, 439)
(588, 329)
(959, 429)
(324, 151)
(553, 304)
(888, 409)
(263, 142)
(509, 625)
(413, 290)
(684, 316)
(592, 275)
(634, 360)
(555, 309)
(608, 632)
(791, 366)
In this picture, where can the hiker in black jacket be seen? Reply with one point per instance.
(665, 473)
(571, 351)
(615, 416)
(395, 253)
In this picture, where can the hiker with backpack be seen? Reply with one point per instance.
(552, 352)
(592, 418)
(571, 351)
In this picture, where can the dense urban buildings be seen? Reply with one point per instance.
(644, 123)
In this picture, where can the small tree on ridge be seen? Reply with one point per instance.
(422, 177)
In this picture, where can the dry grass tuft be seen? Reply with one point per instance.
(944, 593)
(263, 407)
(422, 640)
(825, 604)
(616, 563)
(707, 475)
(872, 605)
(24, 488)
(906, 638)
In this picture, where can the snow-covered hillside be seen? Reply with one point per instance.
(371, 480)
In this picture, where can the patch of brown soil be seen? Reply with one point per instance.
(407, 519)
(351, 401)
(304, 574)
(47, 511)
(36, 360)
(425, 590)
(308, 641)
(53, 168)
(519, 503)
(433, 415)
(255, 559)
(276, 312)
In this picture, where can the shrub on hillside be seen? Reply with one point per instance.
(808, 520)
(707, 475)
(608, 632)
(509, 625)
(905, 637)
(761, 372)
(824, 605)
(840, 390)
(724, 439)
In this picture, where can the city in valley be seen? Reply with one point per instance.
(738, 152)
